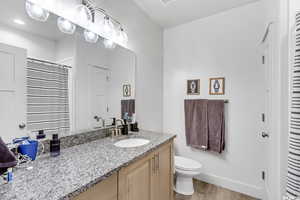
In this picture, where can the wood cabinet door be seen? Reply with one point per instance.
(135, 181)
(105, 190)
(164, 183)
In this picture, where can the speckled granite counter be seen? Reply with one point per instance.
(76, 169)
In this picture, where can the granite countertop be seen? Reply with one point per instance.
(76, 169)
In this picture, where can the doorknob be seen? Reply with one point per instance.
(22, 125)
(264, 135)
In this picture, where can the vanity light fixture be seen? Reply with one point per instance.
(18, 21)
(66, 26)
(122, 36)
(83, 14)
(109, 44)
(108, 27)
(36, 11)
(90, 36)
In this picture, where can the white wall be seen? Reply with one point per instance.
(226, 44)
(65, 48)
(37, 46)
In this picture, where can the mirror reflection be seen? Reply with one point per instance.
(59, 82)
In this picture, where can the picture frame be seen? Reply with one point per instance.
(193, 87)
(126, 90)
(217, 86)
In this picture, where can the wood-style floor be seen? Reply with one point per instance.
(205, 191)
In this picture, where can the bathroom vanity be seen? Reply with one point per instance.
(99, 170)
(150, 177)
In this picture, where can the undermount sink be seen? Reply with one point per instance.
(131, 142)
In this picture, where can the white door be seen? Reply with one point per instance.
(266, 134)
(98, 84)
(12, 92)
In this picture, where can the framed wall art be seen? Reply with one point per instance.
(126, 90)
(193, 87)
(217, 86)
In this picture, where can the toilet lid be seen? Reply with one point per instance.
(186, 164)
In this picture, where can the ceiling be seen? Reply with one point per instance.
(171, 13)
(176, 12)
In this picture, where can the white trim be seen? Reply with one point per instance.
(237, 186)
(268, 192)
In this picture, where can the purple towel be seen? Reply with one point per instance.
(127, 106)
(196, 124)
(216, 125)
(205, 124)
(7, 158)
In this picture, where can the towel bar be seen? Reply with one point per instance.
(225, 100)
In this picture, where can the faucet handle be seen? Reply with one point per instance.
(96, 118)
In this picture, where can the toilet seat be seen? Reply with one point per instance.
(187, 164)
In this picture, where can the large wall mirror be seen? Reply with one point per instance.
(54, 81)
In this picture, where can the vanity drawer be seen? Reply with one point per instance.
(105, 190)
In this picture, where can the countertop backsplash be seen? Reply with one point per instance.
(77, 138)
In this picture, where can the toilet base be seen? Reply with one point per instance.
(184, 185)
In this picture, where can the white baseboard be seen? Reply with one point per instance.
(237, 186)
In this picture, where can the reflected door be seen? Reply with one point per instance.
(12, 92)
(98, 95)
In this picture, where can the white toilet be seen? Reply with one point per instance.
(186, 169)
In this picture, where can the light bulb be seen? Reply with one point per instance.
(36, 12)
(108, 27)
(109, 44)
(122, 36)
(90, 36)
(83, 14)
(65, 26)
